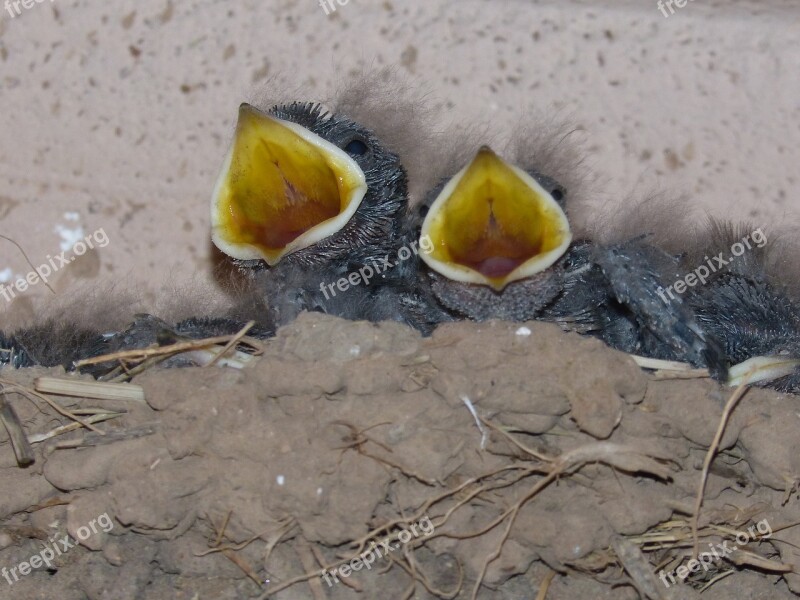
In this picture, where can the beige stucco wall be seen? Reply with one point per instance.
(116, 115)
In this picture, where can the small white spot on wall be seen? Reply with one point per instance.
(69, 236)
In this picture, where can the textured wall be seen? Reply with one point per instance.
(117, 115)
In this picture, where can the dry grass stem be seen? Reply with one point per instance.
(89, 389)
(19, 441)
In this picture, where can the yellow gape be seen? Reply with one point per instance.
(493, 224)
(282, 188)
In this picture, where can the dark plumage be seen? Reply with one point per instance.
(49, 344)
(748, 303)
(635, 272)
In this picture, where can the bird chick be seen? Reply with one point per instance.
(496, 231)
(505, 249)
(307, 198)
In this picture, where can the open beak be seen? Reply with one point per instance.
(493, 224)
(282, 188)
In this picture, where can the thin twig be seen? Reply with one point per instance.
(520, 445)
(143, 353)
(233, 341)
(30, 264)
(36, 438)
(710, 455)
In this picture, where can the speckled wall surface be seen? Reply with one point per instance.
(116, 115)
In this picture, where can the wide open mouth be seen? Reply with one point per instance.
(493, 224)
(282, 188)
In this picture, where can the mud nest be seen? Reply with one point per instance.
(353, 460)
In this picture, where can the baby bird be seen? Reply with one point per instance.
(504, 248)
(310, 203)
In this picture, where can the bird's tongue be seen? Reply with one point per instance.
(497, 266)
(299, 212)
(498, 252)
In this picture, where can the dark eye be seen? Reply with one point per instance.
(356, 148)
(423, 210)
(557, 194)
